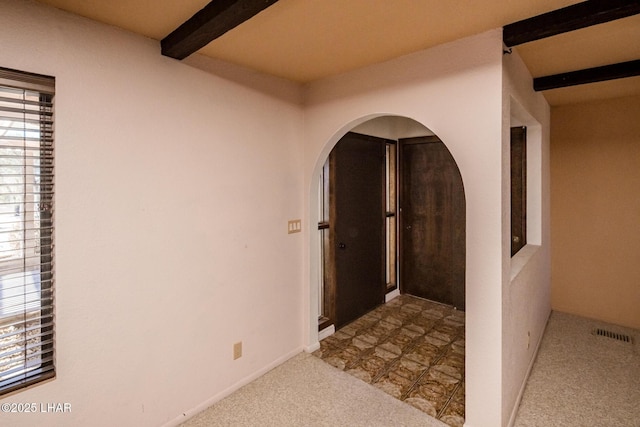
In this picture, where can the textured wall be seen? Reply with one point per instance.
(527, 275)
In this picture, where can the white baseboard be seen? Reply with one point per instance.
(328, 331)
(391, 295)
(514, 412)
(312, 347)
(226, 392)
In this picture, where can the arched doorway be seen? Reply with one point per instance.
(415, 215)
(412, 347)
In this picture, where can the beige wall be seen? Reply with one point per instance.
(595, 210)
(174, 187)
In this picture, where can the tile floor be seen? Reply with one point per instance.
(411, 348)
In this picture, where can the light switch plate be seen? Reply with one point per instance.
(294, 226)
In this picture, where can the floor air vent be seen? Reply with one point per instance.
(613, 335)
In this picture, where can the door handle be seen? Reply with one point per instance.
(342, 246)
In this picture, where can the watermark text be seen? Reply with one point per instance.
(32, 407)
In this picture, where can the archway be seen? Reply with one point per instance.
(424, 236)
(432, 229)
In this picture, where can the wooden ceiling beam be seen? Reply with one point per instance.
(215, 19)
(589, 75)
(570, 18)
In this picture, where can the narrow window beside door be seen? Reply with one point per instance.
(390, 214)
(325, 304)
(26, 229)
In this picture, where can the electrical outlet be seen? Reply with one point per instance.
(294, 226)
(528, 339)
(237, 350)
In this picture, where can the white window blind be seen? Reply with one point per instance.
(26, 229)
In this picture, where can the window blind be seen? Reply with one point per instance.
(26, 229)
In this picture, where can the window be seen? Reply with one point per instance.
(325, 296)
(26, 229)
(390, 214)
(518, 189)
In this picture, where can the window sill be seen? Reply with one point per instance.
(522, 258)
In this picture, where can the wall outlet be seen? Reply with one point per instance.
(237, 350)
(528, 339)
(294, 226)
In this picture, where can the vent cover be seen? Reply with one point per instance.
(613, 335)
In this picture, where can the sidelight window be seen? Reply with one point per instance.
(324, 249)
(390, 214)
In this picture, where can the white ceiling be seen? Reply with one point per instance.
(306, 40)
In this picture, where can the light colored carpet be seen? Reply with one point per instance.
(580, 379)
(305, 391)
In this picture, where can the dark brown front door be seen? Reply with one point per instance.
(432, 222)
(357, 225)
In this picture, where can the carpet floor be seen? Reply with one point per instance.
(305, 391)
(580, 378)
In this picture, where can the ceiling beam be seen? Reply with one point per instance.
(567, 19)
(215, 19)
(589, 75)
